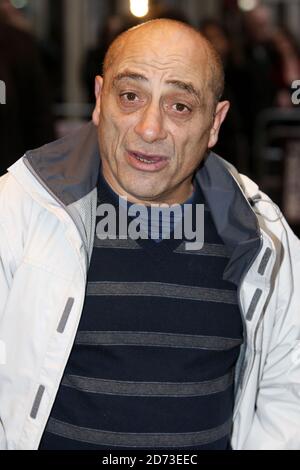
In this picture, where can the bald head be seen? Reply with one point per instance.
(171, 32)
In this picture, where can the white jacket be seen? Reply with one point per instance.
(47, 222)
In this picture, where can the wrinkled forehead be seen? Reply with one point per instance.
(165, 52)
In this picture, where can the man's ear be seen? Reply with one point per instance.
(98, 90)
(220, 114)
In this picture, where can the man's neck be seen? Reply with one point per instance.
(150, 202)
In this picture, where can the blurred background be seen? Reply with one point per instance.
(51, 51)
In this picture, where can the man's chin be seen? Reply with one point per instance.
(141, 196)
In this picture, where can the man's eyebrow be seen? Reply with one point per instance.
(130, 75)
(186, 86)
(189, 87)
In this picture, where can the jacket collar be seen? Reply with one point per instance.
(234, 218)
(69, 168)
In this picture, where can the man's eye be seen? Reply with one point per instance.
(180, 107)
(129, 96)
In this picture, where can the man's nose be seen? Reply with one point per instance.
(150, 126)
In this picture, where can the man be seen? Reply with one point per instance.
(140, 343)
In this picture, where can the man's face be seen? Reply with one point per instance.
(155, 116)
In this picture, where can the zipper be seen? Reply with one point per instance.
(81, 233)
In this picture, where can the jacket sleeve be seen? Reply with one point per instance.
(276, 423)
(7, 266)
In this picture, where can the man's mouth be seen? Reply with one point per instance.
(146, 162)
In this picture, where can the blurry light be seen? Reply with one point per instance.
(247, 5)
(19, 3)
(139, 8)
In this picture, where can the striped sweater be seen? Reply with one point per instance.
(153, 360)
